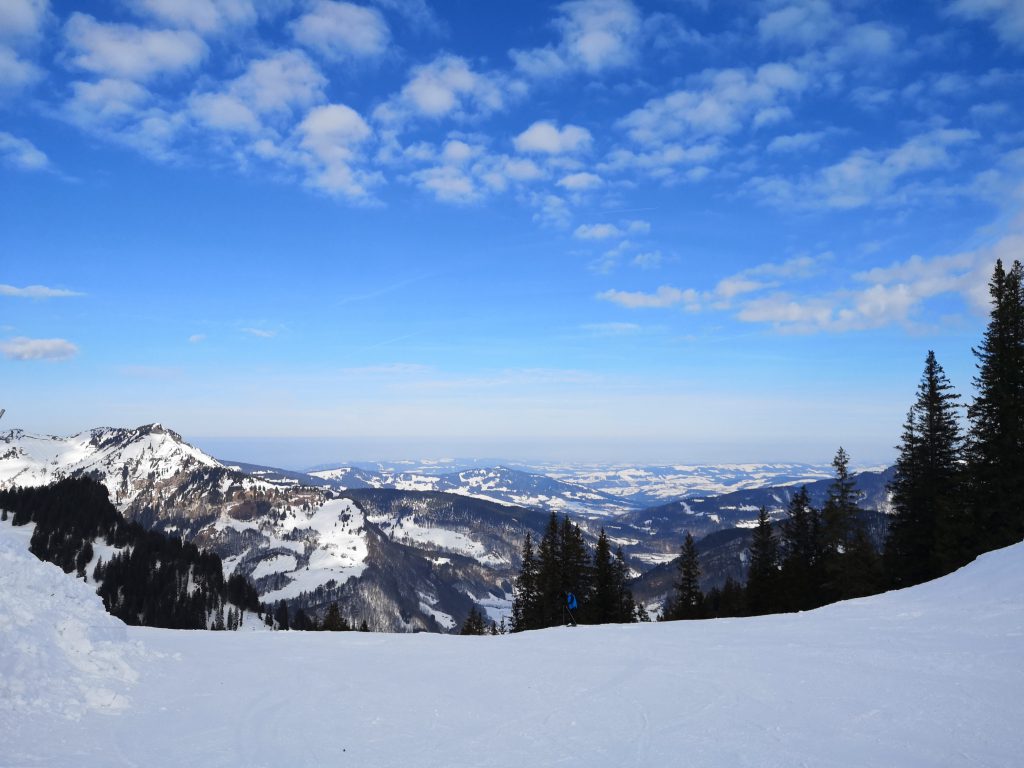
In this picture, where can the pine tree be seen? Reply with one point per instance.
(474, 623)
(333, 621)
(995, 445)
(550, 591)
(763, 573)
(604, 604)
(576, 571)
(281, 615)
(927, 531)
(626, 605)
(687, 600)
(802, 551)
(526, 600)
(849, 561)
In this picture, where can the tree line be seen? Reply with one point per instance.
(150, 579)
(564, 581)
(955, 494)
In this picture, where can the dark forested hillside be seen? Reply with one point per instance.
(148, 579)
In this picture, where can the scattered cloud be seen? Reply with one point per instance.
(196, 338)
(796, 142)
(130, 52)
(802, 23)
(596, 35)
(1006, 16)
(580, 182)
(272, 87)
(22, 349)
(36, 292)
(665, 296)
(261, 333)
(203, 16)
(332, 135)
(446, 87)
(597, 231)
(612, 329)
(340, 30)
(647, 260)
(545, 137)
(719, 102)
(865, 177)
(22, 153)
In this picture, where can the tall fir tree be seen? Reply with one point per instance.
(851, 567)
(763, 573)
(995, 446)
(526, 600)
(801, 554)
(928, 530)
(686, 601)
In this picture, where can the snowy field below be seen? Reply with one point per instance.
(930, 676)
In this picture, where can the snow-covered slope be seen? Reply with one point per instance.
(929, 676)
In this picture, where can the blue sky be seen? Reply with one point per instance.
(595, 230)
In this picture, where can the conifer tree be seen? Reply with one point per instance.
(605, 600)
(763, 573)
(802, 550)
(995, 445)
(687, 600)
(281, 615)
(927, 531)
(526, 600)
(333, 621)
(474, 623)
(850, 564)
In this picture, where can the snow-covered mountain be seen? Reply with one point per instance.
(406, 550)
(926, 676)
(591, 490)
(402, 562)
(134, 464)
(501, 484)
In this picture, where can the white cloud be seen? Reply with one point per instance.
(804, 23)
(24, 155)
(445, 87)
(665, 296)
(36, 292)
(203, 16)
(124, 112)
(21, 348)
(282, 82)
(660, 162)
(332, 135)
(596, 35)
(547, 138)
(1006, 16)
(130, 52)
(865, 177)
(579, 182)
(612, 329)
(600, 34)
(648, 260)
(15, 72)
(597, 231)
(275, 85)
(638, 227)
(196, 338)
(260, 333)
(720, 103)
(796, 142)
(22, 19)
(339, 30)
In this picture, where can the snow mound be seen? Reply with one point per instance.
(60, 651)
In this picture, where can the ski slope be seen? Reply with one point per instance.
(930, 676)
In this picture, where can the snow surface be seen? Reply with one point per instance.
(929, 676)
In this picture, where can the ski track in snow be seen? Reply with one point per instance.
(929, 676)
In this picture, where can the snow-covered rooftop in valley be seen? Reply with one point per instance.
(923, 677)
